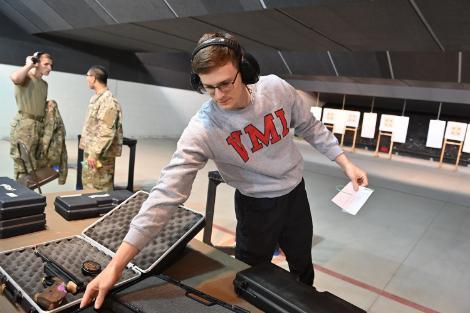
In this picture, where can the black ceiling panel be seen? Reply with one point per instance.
(465, 67)
(273, 29)
(109, 39)
(148, 35)
(176, 61)
(361, 64)
(18, 19)
(369, 25)
(48, 14)
(431, 66)
(450, 22)
(192, 29)
(300, 3)
(77, 13)
(124, 11)
(270, 62)
(186, 28)
(309, 63)
(186, 8)
(28, 14)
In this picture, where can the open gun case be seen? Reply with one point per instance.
(22, 271)
(161, 293)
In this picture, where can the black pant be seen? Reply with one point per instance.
(264, 223)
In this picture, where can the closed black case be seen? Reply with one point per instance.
(17, 200)
(75, 207)
(273, 289)
(22, 225)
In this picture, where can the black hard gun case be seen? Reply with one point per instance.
(273, 289)
(161, 293)
(17, 200)
(22, 270)
(80, 206)
(22, 225)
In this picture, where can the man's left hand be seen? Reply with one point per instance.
(357, 176)
(91, 162)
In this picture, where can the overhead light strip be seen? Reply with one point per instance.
(107, 12)
(426, 24)
(459, 74)
(171, 9)
(285, 62)
(390, 66)
(332, 63)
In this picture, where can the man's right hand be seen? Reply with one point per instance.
(99, 287)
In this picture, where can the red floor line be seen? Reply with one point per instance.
(383, 293)
(355, 282)
(223, 229)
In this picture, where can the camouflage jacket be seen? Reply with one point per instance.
(53, 141)
(102, 132)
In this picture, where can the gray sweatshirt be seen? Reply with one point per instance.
(253, 149)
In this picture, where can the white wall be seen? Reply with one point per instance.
(148, 110)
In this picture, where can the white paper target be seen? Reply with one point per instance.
(329, 116)
(455, 131)
(435, 134)
(387, 122)
(339, 126)
(369, 122)
(352, 118)
(316, 111)
(466, 145)
(400, 129)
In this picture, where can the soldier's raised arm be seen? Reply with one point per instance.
(18, 77)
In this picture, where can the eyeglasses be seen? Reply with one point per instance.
(223, 87)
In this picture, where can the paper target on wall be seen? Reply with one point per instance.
(339, 126)
(387, 123)
(466, 145)
(352, 118)
(455, 131)
(400, 128)
(329, 116)
(316, 111)
(435, 134)
(369, 122)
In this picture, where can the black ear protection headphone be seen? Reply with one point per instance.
(36, 56)
(248, 66)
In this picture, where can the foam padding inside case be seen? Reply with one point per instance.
(111, 230)
(27, 269)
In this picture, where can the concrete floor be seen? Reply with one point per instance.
(406, 251)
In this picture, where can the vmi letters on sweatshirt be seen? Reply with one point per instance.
(253, 149)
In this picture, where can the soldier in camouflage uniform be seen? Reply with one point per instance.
(102, 133)
(54, 151)
(31, 94)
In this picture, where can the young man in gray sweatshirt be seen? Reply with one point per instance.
(244, 129)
